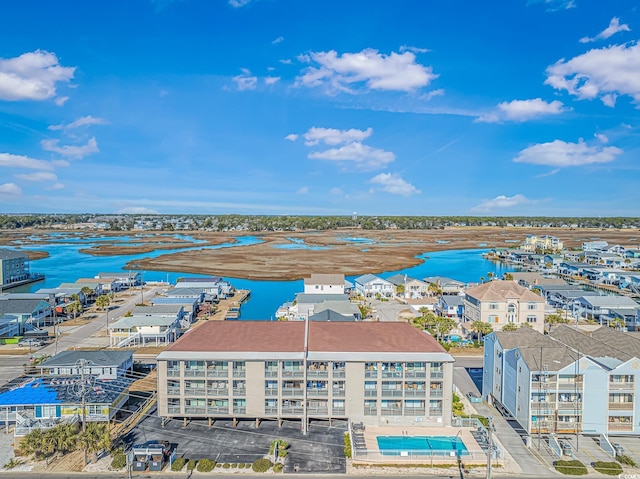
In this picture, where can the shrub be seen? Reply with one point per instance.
(13, 462)
(191, 465)
(119, 460)
(261, 465)
(178, 464)
(626, 460)
(234, 465)
(608, 468)
(347, 445)
(206, 465)
(241, 465)
(226, 465)
(282, 453)
(571, 468)
(247, 465)
(278, 467)
(219, 465)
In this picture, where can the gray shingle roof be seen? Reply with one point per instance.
(21, 306)
(319, 298)
(97, 358)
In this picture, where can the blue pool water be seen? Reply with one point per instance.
(427, 445)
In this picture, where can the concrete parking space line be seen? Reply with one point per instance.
(540, 458)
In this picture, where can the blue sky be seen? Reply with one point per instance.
(320, 107)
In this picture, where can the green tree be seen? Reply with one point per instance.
(443, 326)
(62, 438)
(509, 327)
(74, 308)
(103, 301)
(400, 289)
(88, 292)
(434, 290)
(618, 324)
(95, 438)
(490, 275)
(36, 444)
(481, 329)
(508, 277)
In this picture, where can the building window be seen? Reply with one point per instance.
(532, 306)
(370, 407)
(94, 410)
(493, 305)
(621, 378)
(532, 319)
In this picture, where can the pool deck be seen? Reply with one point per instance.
(476, 454)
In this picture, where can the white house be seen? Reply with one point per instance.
(371, 285)
(324, 284)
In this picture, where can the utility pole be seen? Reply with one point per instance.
(490, 455)
(84, 406)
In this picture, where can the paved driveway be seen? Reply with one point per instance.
(321, 451)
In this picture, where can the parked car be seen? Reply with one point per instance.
(566, 448)
(32, 343)
(619, 450)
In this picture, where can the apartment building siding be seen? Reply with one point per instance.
(551, 387)
(410, 388)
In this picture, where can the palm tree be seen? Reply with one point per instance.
(62, 438)
(508, 277)
(95, 438)
(482, 279)
(490, 275)
(74, 308)
(34, 443)
(617, 323)
(509, 327)
(103, 302)
(443, 326)
(481, 329)
(88, 292)
(433, 289)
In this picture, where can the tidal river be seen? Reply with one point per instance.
(66, 264)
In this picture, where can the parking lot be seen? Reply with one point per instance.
(320, 451)
(631, 446)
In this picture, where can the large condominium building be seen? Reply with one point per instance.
(545, 244)
(14, 266)
(565, 382)
(502, 302)
(376, 373)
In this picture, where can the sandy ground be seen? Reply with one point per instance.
(391, 249)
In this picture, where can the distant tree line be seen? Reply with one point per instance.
(257, 223)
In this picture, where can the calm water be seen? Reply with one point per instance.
(66, 264)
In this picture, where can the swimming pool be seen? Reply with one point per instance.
(420, 445)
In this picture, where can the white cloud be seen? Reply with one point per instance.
(245, 81)
(394, 184)
(38, 176)
(137, 210)
(335, 191)
(433, 93)
(602, 138)
(61, 100)
(280, 39)
(56, 186)
(32, 76)
(84, 121)
(291, 137)
(286, 61)
(562, 154)
(500, 202)
(303, 191)
(10, 189)
(522, 110)
(239, 3)
(405, 48)
(363, 156)
(73, 151)
(19, 161)
(271, 80)
(604, 72)
(333, 136)
(365, 70)
(555, 5)
(613, 28)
